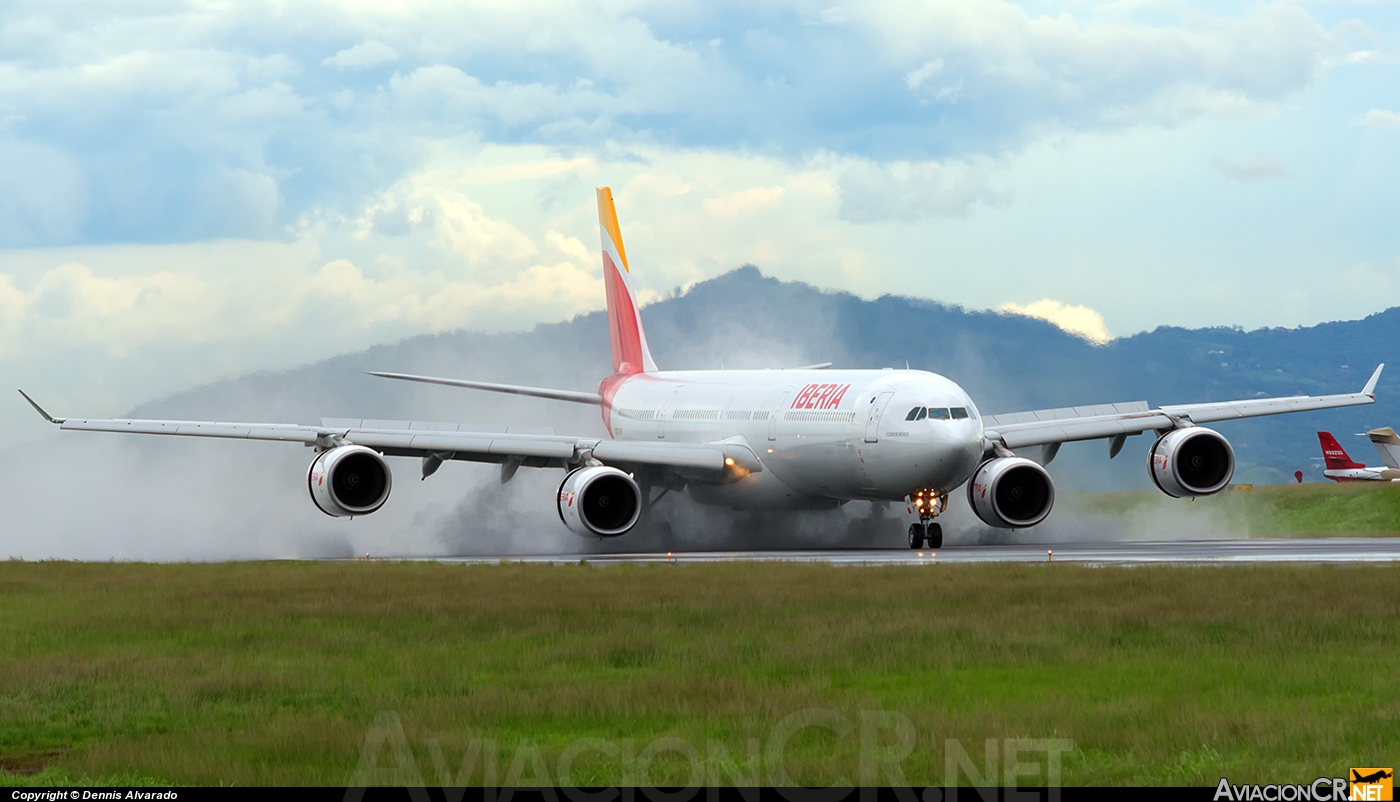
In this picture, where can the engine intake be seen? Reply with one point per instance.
(349, 480)
(1011, 493)
(1189, 462)
(599, 501)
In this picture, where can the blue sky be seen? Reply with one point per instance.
(190, 190)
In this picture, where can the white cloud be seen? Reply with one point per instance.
(872, 192)
(745, 201)
(145, 104)
(1262, 167)
(250, 209)
(1377, 118)
(915, 78)
(1078, 320)
(362, 56)
(1090, 73)
(43, 196)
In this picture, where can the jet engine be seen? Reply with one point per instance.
(599, 501)
(346, 481)
(1191, 462)
(1011, 492)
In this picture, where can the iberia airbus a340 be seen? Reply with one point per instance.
(761, 439)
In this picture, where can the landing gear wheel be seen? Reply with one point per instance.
(916, 536)
(935, 536)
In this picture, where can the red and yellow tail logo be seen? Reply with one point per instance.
(1373, 785)
(629, 343)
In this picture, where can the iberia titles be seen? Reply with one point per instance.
(820, 396)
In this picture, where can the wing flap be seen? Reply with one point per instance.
(1071, 430)
(675, 455)
(1094, 410)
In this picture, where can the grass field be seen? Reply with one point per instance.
(250, 673)
(1350, 508)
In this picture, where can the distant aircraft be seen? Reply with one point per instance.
(806, 438)
(1342, 468)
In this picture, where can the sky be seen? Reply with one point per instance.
(193, 190)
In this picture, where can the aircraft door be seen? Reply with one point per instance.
(875, 411)
(777, 413)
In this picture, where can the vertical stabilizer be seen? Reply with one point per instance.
(629, 341)
(1334, 455)
(1387, 444)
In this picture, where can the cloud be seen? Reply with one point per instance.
(363, 56)
(1078, 320)
(915, 78)
(1262, 167)
(145, 105)
(912, 191)
(744, 202)
(1377, 118)
(204, 170)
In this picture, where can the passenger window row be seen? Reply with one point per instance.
(937, 413)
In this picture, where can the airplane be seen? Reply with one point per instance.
(759, 440)
(1339, 467)
(1373, 777)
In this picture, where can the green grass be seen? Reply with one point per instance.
(277, 673)
(1360, 509)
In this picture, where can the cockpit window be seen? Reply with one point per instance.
(959, 413)
(914, 413)
(923, 413)
(938, 413)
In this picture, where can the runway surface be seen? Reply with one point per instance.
(1189, 552)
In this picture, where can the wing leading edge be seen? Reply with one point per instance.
(1050, 426)
(410, 439)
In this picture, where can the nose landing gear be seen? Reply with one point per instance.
(929, 504)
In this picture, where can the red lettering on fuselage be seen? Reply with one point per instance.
(820, 396)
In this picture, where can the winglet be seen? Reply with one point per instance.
(40, 410)
(1370, 388)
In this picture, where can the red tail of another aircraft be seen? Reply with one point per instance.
(1333, 453)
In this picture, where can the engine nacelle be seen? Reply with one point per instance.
(599, 501)
(1011, 492)
(1189, 462)
(346, 481)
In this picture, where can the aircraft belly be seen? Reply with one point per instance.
(759, 492)
(893, 468)
(821, 467)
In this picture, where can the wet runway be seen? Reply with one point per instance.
(1191, 552)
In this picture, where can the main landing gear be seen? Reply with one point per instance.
(928, 503)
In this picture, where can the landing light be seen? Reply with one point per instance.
(729, 461)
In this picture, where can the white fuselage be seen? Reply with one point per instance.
(823, 436)
(1360, 475)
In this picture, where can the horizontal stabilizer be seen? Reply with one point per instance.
(512, 389)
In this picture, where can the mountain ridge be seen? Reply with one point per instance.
(744, 319)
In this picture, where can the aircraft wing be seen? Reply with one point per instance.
(529, 447)
(1050, 426)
